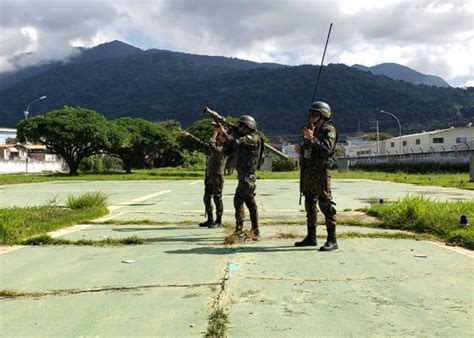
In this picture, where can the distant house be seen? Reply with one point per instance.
(6, 133)
(451, 139)
(8, 152)
(289, 149)
(36, 152)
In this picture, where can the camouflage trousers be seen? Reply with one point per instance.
(213, 186)
(245, 193)
(317, 191)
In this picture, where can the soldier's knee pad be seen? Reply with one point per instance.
(327, 208)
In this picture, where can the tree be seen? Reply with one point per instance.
(72, 133)
(11, 140)
(136, 141)
(171, 156)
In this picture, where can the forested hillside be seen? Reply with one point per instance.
(159, 85)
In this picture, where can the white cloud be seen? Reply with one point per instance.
(469, 83)
(432, 36)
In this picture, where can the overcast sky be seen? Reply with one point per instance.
(433, 37)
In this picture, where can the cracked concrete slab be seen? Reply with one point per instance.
(368, 287)
(72, 267)
(378, 287)
(160, 313)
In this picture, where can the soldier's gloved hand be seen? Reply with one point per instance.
(308, 133)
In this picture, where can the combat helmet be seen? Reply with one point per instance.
(249, 121)
(321, 108)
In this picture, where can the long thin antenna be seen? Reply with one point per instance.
(321, 66)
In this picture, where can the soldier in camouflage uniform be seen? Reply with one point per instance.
(214, 181)
(247, 146)
(317, 152)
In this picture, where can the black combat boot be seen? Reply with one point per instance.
(208, 223)
(331, 242)
(217, 223)
(310, 239)
(254, 221)
(239, 233)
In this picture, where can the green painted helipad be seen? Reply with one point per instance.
(369, 287)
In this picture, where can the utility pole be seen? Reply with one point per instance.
(378, 140)
(26, 112)
(377, 132)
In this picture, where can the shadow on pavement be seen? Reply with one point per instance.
(237, 250)
(147, 229)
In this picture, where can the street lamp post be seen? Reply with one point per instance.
(399, 128)
(26, 112)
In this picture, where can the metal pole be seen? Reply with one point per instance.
(399, 128)
(26, 144)
(378, 140)
(26, 112)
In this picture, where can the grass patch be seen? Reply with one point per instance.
(391, 235)
(94, 199)
(435, 179)
(218, 324)
(19, 223)
(453, 180)
(140, 174)
(356, 234)
(144, 221)
(7, 293)
(424, 215)
(352, 221)
(286, 235)
(48, 240)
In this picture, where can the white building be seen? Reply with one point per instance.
(6, 133)
(451, 139)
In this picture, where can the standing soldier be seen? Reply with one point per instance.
(248, 151)
(214, 181)
(318, 149)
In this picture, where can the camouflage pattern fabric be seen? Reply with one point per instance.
(318, 154)
(214, 181)
(247, 150)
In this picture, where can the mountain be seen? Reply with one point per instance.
(399, 72)
(158, 85)
(116, 49)
(107, 50)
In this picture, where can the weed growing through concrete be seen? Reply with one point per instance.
(48, 240)
(94, 199)
(218, 324)
(143, 222)
(7, 293)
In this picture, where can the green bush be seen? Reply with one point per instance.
(112, 163)
(95, 199)
(92, 163)
(193, 159)
(281, 164)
